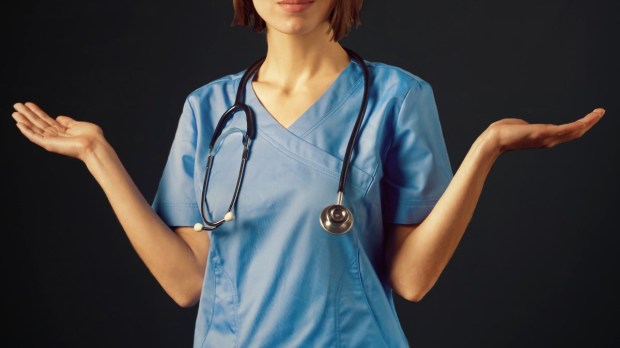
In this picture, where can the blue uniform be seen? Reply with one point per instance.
(274, 277)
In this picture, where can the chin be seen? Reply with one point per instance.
(294, 27)
(298, 26)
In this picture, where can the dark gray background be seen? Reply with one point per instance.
(538, 266)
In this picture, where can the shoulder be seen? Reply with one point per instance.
(223, 87)
(399, 80)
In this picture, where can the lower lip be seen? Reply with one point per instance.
(295, 8)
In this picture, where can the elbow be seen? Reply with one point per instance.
(185, 301)
(412, 294)
(186, 297)
(412, 289)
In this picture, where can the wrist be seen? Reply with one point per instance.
(489, 143)
(97, 152)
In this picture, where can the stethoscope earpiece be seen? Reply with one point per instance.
(230, 216)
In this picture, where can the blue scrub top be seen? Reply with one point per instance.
(274, 277)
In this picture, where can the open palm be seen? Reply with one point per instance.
(62, 135)
(516, 134)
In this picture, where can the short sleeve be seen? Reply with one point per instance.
(417, 168)
(175, 201)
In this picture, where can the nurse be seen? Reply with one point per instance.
(272, 277)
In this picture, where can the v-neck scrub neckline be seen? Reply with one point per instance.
(274, 277)
(326, 104)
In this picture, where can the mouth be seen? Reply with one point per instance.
(295, 6)
(295, 2)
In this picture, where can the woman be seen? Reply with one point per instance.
(273, 276)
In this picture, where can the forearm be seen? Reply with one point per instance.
(425, 251)
(169, 258)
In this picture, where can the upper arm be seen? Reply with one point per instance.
(397, 270)
(395, 237)
(198, 242)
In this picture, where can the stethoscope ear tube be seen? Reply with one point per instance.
(249, 117)
(208, 225)
(230, 215)
(356, 127)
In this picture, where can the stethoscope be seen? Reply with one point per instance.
(335, 218)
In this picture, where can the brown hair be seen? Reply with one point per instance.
(344, 14)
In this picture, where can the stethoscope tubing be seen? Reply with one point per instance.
(335, 219)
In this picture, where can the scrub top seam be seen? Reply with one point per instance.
(191, 108)
(235, 305)
(378, 65)
(296, 157)
(363, 288)
(359, 247)
(337, 300)
(313, 165)
(322, 150)
(197, 164)
(211, 310)
(422, 202)
(233, 287)
(415, 83)
(210, 263)
(275, 142)
(413, 86)
(373, 178)
(164, 204)
(221, 82)
(333, 110)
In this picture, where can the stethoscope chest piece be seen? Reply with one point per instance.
(336, 219)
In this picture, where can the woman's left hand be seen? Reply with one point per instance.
(514, 134)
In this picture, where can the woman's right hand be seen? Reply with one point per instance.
(62, 135)
(177, 260)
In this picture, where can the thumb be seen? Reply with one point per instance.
(65, 120)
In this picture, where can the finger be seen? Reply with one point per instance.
(592, 118)
(48, 130)
(576, 129)
(31, 116)
(563, 134)
(19, 118)
(581, 126)
(31, 135)
(43, 115)
(48, 143)
(564, 130)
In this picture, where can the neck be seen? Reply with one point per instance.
(294, 59)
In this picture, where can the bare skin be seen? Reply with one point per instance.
(418, 254)
(302, 61)
(177, 260)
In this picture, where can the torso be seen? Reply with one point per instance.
(274, 277)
